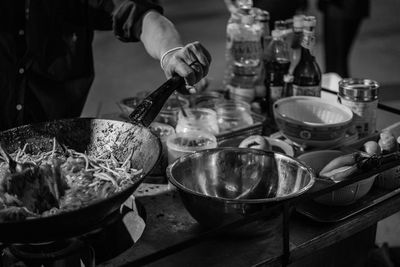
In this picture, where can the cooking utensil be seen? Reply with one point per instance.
(180, 105)
(93, 136)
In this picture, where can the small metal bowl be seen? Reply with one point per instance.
(221, 185)
(344, 196)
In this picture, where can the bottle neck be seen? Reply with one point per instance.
(307, 44)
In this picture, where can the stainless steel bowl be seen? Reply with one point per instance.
(218, 186)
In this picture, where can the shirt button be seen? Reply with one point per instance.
(21, 32)
(21, 71)
(18, 107)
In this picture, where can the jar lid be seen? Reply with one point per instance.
(359, 89)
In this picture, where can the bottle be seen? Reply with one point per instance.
(295, 54)
(295, 46)
(232, 29)
(243, 46)
(262, 19)
(307, 73)
(242, 83)
(276, 66)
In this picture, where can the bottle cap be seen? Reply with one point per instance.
(298, 21)
(245, 4)
(277, 33)
(309, 22)
(280, 25)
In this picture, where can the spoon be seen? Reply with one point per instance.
(180, 105)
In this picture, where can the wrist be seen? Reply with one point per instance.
(167, 53)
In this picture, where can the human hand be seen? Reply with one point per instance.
(190, 62)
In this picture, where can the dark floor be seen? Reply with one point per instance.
(124, 69)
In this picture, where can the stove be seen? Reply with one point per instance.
(115, 234)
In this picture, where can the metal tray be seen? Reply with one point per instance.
(332, 214)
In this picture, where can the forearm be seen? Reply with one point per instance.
(158, 34)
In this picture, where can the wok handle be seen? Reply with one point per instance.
(148, 109)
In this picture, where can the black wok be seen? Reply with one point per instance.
(91, 135)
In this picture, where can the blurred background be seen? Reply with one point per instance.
(123, 69)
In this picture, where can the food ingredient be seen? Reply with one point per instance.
(344, 160)
(256, 142)
(340, 174)
(342, 167)
(372, 148)
(59, 180)
(387, 142)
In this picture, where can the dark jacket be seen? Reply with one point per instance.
(46, 61)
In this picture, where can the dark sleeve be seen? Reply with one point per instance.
(123, 16)
(128, 18)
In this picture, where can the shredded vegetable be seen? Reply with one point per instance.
(68, 179)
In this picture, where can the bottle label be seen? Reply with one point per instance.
(246, 52)
(276, 92)
(306, 90)
(364, 120)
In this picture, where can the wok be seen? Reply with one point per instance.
(91, 135)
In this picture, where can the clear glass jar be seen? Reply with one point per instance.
(233, 114)
(170, 110)
(207, 99)
(180, 144)
(197, 119)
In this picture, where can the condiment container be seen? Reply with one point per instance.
(180, 144)
(169, 112)
(361, 96)
(197, 119)
(233, 114)
(207, 99)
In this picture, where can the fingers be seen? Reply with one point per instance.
(191, 62)
(184, 70)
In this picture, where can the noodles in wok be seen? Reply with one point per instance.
(50, 182)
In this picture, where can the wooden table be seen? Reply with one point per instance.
(173, 238)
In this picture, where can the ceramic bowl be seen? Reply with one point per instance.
(347, 195)
(312, 121)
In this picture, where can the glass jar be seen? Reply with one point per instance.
(170, 110)
(233, 114)
(361, 96)
(197, 119)
(180, 144)
(207, 99)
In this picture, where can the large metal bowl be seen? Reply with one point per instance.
(221, 185)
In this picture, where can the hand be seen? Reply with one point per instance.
(190, 62)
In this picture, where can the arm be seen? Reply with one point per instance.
(135, 20)
(159, 36)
